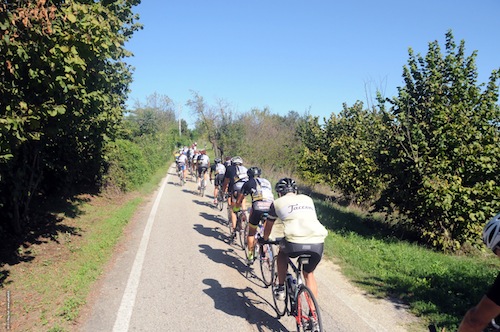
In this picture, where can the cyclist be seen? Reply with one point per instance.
(217, 171)
(261, 192)
(234, 178)
(194, 162)
(478, 317)
(203, 163)
(302, 232)
(181, 164)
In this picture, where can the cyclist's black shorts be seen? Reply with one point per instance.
(219, 179)
(202, 170)
(494, 291)
(258, 210)
(315, 250)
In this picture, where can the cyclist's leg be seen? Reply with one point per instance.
(308, 273)
(282, 260)
(231, 212)
(253, 223)
(216, 189)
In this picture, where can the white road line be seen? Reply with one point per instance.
(128, 300)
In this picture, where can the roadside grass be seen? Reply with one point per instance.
(437, 287)
(49, 291)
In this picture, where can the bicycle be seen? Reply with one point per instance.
(265, 254)
(299, 301)
(203, 183)
(220, 198)
(180, 172)
(242, 229)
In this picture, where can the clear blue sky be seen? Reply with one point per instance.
(297, 55)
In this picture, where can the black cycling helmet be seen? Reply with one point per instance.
(285, 186)
(254, 172)
(217, 160)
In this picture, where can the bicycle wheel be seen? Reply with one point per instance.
(220, 199)
(202, 187)
(266, 263)
(229, 222)
(308, 314)
(243, 233)
(279, 305)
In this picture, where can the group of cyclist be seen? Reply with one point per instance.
(291, 217)
(196, 160)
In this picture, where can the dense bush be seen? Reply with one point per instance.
(127, 165)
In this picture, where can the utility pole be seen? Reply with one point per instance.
(179, 117)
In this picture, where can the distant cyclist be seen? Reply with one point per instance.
(181, 164)
(478, 317)
(234, 178)
(302, 232)
(261, 192)
(217, 171)
(203, 163)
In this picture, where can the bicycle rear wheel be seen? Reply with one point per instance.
(308, 314)
(202, 187)
(220, 200)
(243, 233)
(279, 305)
(266, 264)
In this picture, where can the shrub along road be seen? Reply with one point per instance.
(175, 270)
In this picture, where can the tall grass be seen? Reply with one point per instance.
(438, 287)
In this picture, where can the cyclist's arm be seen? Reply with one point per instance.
(240, 198)
(478, 317)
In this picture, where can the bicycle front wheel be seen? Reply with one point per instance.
(308, 314)
(266, 264)
(279, 305)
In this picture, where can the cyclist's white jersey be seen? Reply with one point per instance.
(182, 159)
(298, 215)
(220, 169)
(204, 161)
(195, 157)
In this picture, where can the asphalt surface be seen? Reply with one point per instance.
(175, 270)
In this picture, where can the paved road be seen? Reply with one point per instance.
(176, 271)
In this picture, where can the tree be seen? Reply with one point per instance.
(63, 87)
(443, 146)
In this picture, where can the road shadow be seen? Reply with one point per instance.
(227, 257)
(204, 203)
(243, 303)
(211, 232)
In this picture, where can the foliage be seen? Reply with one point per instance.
(443, 146)
(438, 287)
(344, 151)
(270, 140)
(217, 124)
(62, 90)
(127, 166)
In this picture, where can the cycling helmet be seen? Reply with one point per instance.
(217, 160)
(491, 233)
(285, 186)
(237, 160)
(254, 172)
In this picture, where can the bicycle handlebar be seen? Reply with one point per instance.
(262, 241)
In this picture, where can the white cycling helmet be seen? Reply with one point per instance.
(491, 233)
(237, 160)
